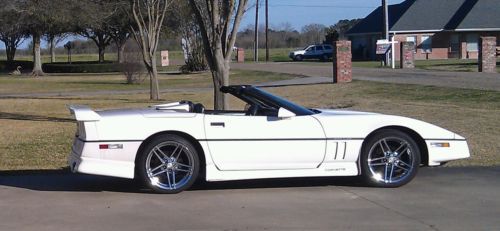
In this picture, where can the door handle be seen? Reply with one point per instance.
(220, 124)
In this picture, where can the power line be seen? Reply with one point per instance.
(323, 6)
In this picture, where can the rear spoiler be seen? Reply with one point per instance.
(83, 113)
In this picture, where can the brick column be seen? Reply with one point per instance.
(407, 55)
(240, 55)
(487, 61)
(164, 59)
(342, 62)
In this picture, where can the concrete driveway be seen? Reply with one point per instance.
(322, 72)
(438, 199)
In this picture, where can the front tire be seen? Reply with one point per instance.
(298, 58)
(168, 164)
(390, 158)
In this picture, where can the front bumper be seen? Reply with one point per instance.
(458, 149)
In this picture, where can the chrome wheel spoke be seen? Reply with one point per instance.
(392, 171)
(155, 151)
(377, 164)
(375, 159)
(188, 168)
(158, 173)
(177, 152)
(401, 153)
(154, 169)
(401, 167)
(173, 178)
(388, 148)
(168, 180)
(404, 163)
(386, 171)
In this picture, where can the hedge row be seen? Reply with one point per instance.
(81, 67)
(75, 67)
(11, 66)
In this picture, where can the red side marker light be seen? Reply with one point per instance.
(103, 146)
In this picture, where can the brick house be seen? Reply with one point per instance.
(441, 29)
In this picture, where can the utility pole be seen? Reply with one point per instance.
(385, 29)
(267, 30)
(256, 39)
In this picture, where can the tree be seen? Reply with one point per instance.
(219, 21)
(148, 19)
(109, 23)
(37, 17)
(313, 33)
(337, 31)
(11, 32)
(181, 21)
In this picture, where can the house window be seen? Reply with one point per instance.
(472, 42)
(414, 40)
(426, 44)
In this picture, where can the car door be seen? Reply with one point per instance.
(239, 142)
(310, 52)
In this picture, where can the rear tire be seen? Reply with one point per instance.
(390, 158)
(168, 164)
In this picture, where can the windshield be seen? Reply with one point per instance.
(277, 102)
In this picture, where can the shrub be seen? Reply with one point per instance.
(132, 66)
(10, 66)
(81, 67)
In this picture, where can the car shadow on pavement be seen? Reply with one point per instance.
(63, 180)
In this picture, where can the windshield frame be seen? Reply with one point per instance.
(276, 101)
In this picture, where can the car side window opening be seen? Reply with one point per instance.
(262, 103)
(319, 48)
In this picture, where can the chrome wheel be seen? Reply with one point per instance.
(390, 159)
(169, 165)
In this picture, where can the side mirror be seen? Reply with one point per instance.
(284, 113)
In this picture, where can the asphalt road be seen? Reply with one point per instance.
(442, 198)
(323, 73)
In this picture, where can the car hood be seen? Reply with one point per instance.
(298, 52)
(354, 124)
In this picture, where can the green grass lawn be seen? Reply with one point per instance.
(116, 82)
(281, 55)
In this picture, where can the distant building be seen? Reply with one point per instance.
(441, 29)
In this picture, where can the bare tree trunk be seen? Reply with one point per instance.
(52, 50)
(147, 35)
(10, 48)
(154, 88)
(37, 59)
(220, 78)
(101, 53)
(120, 49)
(10, 52)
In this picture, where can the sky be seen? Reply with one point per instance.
(301, 12)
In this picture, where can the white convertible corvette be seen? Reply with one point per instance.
(169, 146)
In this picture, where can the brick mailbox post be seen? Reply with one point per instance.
(240, 55)
(487, 61)
(164, 58)
(342, 62)
(407, 54)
